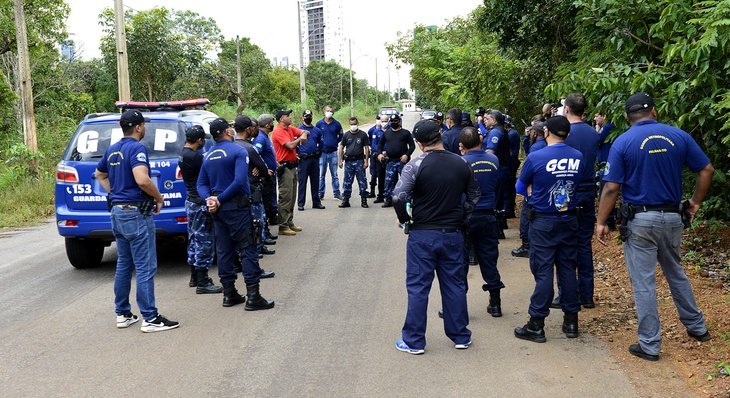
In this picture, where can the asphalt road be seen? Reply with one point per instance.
(340, 303)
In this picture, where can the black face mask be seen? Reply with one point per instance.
(308, 120)
(394, 125)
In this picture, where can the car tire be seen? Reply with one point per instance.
(84, 253)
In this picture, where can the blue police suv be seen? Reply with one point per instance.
(82, 215)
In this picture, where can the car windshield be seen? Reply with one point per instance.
(388, 111)
(163, 140)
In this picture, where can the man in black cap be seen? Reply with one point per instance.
(438, 118)
(201, 239)
(395, 149)
(124, 172)
(436, 184)
(308, 170)
(223, 181)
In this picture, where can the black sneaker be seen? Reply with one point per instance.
(522, 251)
(700, 337)
(158, 324)
(635, 349)
(531, 332)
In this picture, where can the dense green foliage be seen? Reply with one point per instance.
(517, 55)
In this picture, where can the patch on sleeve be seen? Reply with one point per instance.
(142, 157)
(608, 168)
(495, 140)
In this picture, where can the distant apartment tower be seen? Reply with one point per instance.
(68, 50)
(322, 30)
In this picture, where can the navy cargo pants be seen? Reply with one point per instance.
(353, 169)
(484, 239)
(553, 244)
(439, 251)
(586, 199)
(234, 236)
(392, 173)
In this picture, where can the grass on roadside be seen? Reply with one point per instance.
(26, 200)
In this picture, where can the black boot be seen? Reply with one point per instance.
(388, 202)
(522, 251)
(534, 330)
(570, 325)
(364, 202)
(205, 284)
(231, 296)
(372, 191)
(193, 277)
(255, 301)
(495, 304)
(379, 199)
(344, 203)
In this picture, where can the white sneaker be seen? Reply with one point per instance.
(125, 321)
(463, 346)
(158, 324)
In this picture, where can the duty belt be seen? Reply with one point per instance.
(483, 212)
(427, 227)
(354, 157)
(137, 204)
(537, 214)
(304, 156)
(289, 164)
(667, 208)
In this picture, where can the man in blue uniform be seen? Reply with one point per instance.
(645, 164)
(483, 230)
(584, 138)
(436, 183)
(353, 154)
(265, 148)
(223, 181)
(309, 154)
(451, 136)
(513, 137)
(604, 128)
(124, 172)
(537, 137)
(479, 115)
(497, 142)
(377, 171)
(551, 176)
(395, 149)
(331, 136)
(200, 222)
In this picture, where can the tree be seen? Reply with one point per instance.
(254, 69)
(328, 83)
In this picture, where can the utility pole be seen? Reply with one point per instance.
(352, 103)
(26, 83)
(302, 83)
(376, 80)
(238, 71)
(122, 62)
(390, 93)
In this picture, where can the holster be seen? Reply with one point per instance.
(257, 228)
(626, 213)
(686, 217)
(147, 204)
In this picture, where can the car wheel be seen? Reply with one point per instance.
(84, 253)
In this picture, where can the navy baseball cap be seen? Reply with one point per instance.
(307, 112)
(508, 119)
(395, 116)
(439, 116)
(558, 125)
(195, 133)
(639, 102)
(132, 118)
(281, 113)
(426, 131)
(218, 126)
(242, 122)
(480, 111)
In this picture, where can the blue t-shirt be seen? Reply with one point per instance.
(647, 160)
(554, 174)
(485, 167)
(224, 171)
(539, 143)
(514, 145)
(493, 138)
(584, 138)
(604, 142)
(374, 135)
(331, 134)
(119, 160)
(450, 138)
(265, 148)
(314, 140)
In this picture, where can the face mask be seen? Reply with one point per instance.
(394, 125)
(354, 128)
(308, 120)
(328, 115)
(384, 125)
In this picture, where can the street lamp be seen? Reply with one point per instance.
(302, 83)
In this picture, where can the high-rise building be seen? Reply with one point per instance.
(322, 30)
(68, 50)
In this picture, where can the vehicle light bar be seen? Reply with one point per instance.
(166, 105)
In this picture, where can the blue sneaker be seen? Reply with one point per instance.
(462, 346)
(401, 345)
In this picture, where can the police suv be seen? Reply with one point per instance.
(82, 215)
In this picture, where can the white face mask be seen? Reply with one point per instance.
(354, 128)
(328, 115)
(384, 125)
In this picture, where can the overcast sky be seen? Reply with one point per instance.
(272, 25)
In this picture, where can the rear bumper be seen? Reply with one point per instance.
(97, 224)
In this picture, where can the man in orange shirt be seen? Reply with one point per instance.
(286, 138)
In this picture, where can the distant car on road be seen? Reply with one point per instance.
(428, 114)
(82, 215)
(389, 110)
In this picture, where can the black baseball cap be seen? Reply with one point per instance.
(508, 119)
(195, 133)
(439, 116)
(218, 126)
(639, 102)
(282, 113)
(394, 116)
(242, 122)
(426, 131)
(480, 111)
(558, 125)
(132, 118)
(307, 112)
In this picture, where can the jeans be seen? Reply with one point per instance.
(135, 236)
(200, 235)
(287, 194)
(354, 168)
(655, 237)
(328, 160)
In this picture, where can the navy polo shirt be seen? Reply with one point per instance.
(514, 144)
(493, 137)
(224, 171)
(604, 142)
(539, 143)
(647, 160)
(374, 135)
(585, 138)
(265, 148)
(450, 138)
(554, 173)
(118, 161)
(485, 167)
(331, 134)
(314, 140)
